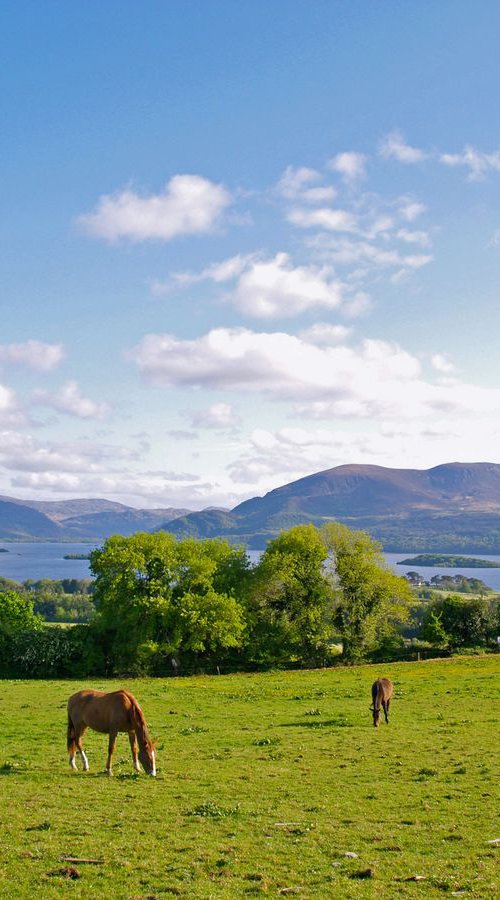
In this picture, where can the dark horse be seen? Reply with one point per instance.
(109, 714)
(381, 694)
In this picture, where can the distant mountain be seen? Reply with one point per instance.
(21, 523)
(450, 507)
(100, 525)
(76, 520)
(58, 510)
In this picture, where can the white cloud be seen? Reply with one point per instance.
(217, 416)
(323, 333)
(442, 363)
(147, 489)
(267, 288)
(8, 401)
(294, 180)
(414, 237)
(275, 288)
(411, 209)
(374, 378)
(350, 165)
(10, 412)
(71, 401)
(22, 453)
(189, 204)
(220, 272)
(325, 217)
(346, 251)
(32, 353)
(301, 184)
(271, 458)
(394, 146)
(479, 164)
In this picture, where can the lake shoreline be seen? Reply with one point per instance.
(45, 559)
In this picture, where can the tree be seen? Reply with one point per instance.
(16, 614)
(459, 622)
(156, 597)
(369, 600)
(289, 605)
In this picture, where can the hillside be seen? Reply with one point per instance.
(451, 507)
(19, 523)
(76, 520)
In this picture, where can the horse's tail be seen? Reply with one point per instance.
(376, 695)
(71, 736)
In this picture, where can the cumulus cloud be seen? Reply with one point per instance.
(34, 354)
(8, 401)
(394, 146)
(323, 333)
(373, 378)
(478, 164)
(350, 165)
(324, 217)
(302, 184)
(189, 204)
(147, 489)
(20, 452)
(220, 416)
(275, 457)
(442, 363)
(267, 288)
(70, 400)
(349, 252)
(276, 288)
(411, 209)
(414, 237)
(218, 272)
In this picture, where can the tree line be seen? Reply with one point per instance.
(163, 605)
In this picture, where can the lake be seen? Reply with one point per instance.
(42, 560)
(46, 560)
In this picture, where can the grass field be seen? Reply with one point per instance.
(265, 783)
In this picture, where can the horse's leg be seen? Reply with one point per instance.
(83, 755)
(135, 750)
(71, 744)
(385, 704)
(111, 750)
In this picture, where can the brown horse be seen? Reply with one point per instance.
(109, 714)
(381, 694)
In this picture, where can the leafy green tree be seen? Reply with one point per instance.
(369, 600)
(156, 597)
(16, 614)
(289, 604)
(432, 628)
(459, 622)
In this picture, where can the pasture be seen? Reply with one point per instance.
(271, 784)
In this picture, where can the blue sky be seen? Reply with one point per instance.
(245, 242)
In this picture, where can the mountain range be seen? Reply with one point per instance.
(76, 520)
(451, 507)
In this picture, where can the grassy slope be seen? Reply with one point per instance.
(285, 790)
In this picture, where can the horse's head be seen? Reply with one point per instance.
(147, 757)
(376, 715)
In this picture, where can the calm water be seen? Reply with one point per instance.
(40, 560)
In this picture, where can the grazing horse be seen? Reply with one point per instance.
(109, 714)
(381, 693)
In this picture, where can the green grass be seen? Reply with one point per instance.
(265, 783)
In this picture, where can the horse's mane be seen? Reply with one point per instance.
(138, 719)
